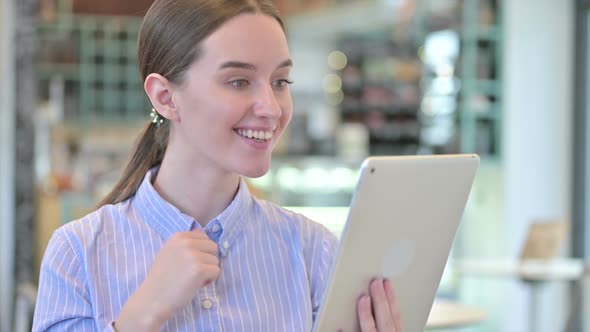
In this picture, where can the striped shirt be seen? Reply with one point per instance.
(274, 265)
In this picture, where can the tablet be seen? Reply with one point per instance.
(402, 221)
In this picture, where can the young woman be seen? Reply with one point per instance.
(181, 244)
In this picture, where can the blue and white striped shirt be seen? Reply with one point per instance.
(274, 266)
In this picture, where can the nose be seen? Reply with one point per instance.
(267, 104)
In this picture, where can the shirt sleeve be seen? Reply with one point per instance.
(63, 302)
(323, 251)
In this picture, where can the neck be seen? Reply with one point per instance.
(198, 191)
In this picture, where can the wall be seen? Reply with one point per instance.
(538, 90)
(6, 165)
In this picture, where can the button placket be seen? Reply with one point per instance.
(207, 304)
(214, 231)
(204, 293)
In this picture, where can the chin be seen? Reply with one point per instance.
(254, 170)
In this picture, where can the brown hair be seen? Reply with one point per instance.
(168, 44)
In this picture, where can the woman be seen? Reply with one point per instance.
(180, 244)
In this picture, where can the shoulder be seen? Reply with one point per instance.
(85, 232)
(311, 232)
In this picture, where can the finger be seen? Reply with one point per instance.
(200, 244)
(396, 312)
(381, 308)
(192, 235)
(198, 233)
(202, 263)
(209, 274)
(197, 245)
(207, 246)
(206, 258)
(366, 320)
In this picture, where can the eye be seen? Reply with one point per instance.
(282, 83)
(241, 83)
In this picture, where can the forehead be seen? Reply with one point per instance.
(247, 37)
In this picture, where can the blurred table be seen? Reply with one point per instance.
(446, 314)
(533, 272)
(564, 269)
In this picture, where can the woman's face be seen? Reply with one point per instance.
(235, 103)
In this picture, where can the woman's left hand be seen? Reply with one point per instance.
(380, 311)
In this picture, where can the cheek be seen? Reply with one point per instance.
(287, 115)
(287, 110)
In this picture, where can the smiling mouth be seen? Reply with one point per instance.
(256, 135)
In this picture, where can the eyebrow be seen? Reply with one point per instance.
(249, 66)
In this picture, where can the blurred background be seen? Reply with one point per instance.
(507, 80)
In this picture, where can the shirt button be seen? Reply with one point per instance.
(207, 304)
(225, 244)
(215, 228)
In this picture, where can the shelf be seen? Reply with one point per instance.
(479, 86)
(410, 111)
(67, 71)
(99, 57)
(480, 99)
(403, 140)
(478, 33)
(345, 18)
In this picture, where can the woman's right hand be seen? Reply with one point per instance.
(186, 262)
(380, 311)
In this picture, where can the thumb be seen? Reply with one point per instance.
(199, 231)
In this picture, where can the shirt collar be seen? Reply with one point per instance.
(162, 216)
(166, 219)
(230, 220)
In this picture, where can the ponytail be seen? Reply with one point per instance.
(148, 152)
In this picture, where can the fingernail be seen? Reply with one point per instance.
(363, 299)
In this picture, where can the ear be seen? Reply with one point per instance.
(159, 91)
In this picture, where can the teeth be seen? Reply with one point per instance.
(255, 134)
